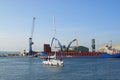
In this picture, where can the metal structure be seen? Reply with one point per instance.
(111, 43)
(71, 43)
(93, 45)
(30, 39)
(58, 43)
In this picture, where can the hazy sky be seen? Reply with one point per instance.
(81, 19)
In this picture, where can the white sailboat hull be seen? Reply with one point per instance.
(53, 62)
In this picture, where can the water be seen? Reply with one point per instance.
(9, 52)
(12, 68)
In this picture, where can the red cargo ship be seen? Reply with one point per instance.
(111, 54)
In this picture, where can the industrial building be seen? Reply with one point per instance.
(80, 49)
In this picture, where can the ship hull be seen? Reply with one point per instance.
(102, 55)
(86, 55)
(105, 55)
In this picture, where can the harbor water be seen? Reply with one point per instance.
(13, 68)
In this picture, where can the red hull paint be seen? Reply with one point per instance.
(70, 54)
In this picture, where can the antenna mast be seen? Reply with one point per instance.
(111, 43)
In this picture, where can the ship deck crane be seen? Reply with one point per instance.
(71, 43)
(30, 39)
(58, 43)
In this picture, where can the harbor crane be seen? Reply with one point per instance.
(71, 43)
(57, 41)
(30, 39)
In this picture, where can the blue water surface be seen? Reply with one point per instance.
(13, 68)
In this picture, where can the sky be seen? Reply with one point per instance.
(80, 19)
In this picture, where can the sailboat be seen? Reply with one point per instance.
(54, 60)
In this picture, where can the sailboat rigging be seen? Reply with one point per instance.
(54, 60)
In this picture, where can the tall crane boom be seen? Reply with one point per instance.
(58, 43)
(32, 30)
(71, 43)
(30, 39)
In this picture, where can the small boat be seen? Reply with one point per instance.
(53, 61)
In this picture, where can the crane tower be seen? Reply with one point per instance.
(93, 45)
(30, 39)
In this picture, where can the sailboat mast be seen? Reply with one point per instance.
(54, 26)
(54, 29)
(54, 33)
